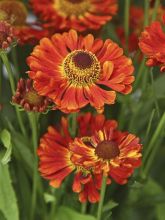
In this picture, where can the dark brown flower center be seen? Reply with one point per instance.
(82, 60)
(81, 67)
(107, 150)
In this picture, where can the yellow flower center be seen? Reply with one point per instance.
(33, 98)
(14, 12)
(107, 150)
(81, 67)
(72, 7)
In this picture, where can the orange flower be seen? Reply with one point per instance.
(75, 71)
(16, 14)
(110, 151)
(56, 163)
(152, 44)
(79, 15)
(88, 157)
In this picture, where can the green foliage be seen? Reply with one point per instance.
(8, 201)
(5, 138)
(65, 213)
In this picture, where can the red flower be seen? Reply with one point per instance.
(75, 71)
(107, 151)
(152, 44)
(79, 15)
(57, 162)
(16, 14)
(110, 151)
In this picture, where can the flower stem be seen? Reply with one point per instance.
(156, 6)
(146, 12)
(9, 71)
(84, 207)
(15, 61)
(152, 147)
(33, 124)
(12, 85)
(1, 78)
(73, 124)
(154, 93)
(126, 22)
(139, 74)
(100, 206)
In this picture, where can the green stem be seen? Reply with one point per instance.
(156, 6)
(146, 12)
(154, 93)
(9, 70)
(73, 124)
(126, 23)
(1, 78)
(34, 129)
(151, 159)
(149, 124)
(53, 206)
(152, 147)
(12, 85)
(139, 74)
(84, 207)
(101, 202)
(15, 61)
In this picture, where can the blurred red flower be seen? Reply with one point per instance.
(15, 13)
(79, 15)
(152, 44)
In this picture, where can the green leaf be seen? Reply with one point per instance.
(5, 137)
(160, 211)
(8, 202)
(109, 205)
(49, 198)
(65, 213)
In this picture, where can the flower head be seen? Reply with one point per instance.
(152, 44)
(77, 14)
(6, 35)
(28, 98)
(110, 151)
(106, 151)
(75, 71)
(56, 163)
(15, 13)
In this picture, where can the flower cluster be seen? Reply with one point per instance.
(99, 149)
(73, 70)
